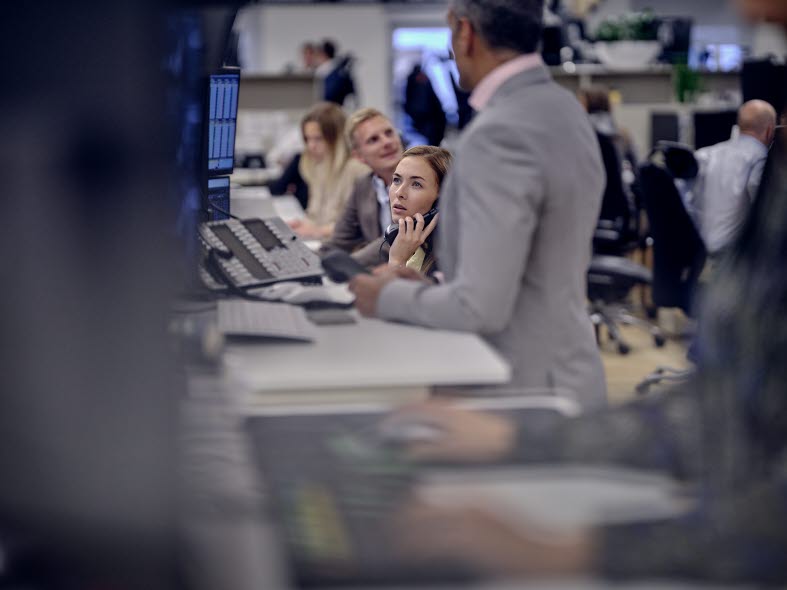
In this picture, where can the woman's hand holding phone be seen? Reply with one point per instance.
(412, 235)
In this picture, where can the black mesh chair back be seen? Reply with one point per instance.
(615, 232)
(678, 250)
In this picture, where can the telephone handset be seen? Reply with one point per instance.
(393, 229)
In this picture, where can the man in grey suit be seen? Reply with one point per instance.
(517, 212)
(375, 142)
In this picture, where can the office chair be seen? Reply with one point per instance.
(616, 230)
(678, 251)
(611, 275)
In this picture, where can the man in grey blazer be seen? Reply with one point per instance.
(517, 212)
(375, 142)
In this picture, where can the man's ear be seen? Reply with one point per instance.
(357, 155)
(465, 36)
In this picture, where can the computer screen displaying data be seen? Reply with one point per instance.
(222, 117)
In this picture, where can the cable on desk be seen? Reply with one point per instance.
(221, 210)
(214, 267)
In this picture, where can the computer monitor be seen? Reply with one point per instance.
(675, 37)
(664, 127)
(222, 120)
(218, 198)
(713, 127)
(759, 80)
(202, 110)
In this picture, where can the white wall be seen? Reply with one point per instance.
(271, 37)
(769, 39)
(279, 31)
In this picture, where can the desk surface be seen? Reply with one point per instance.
(368, 354)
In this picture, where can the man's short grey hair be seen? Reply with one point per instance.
(504, 24)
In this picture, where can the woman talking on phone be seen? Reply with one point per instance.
(413, 196)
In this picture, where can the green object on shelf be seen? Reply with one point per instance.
(637, 26)
(687, 83)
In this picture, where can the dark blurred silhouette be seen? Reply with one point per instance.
(87, 413)
(424, 107)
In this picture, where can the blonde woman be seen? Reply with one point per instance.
(328, 170)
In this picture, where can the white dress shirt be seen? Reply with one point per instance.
(727, 183)
(382, 198)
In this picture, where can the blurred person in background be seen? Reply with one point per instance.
(335, 71)
(729, 176)
(596, 101)
(326, 169)
(308, 52)
(619, 204)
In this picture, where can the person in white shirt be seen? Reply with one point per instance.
(729, 176)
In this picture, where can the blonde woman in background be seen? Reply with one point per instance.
(327, 169)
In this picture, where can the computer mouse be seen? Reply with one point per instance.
(409, 430)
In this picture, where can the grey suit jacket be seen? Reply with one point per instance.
(517, 215)
(358, 228)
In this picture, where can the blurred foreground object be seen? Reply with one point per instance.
(87, 412)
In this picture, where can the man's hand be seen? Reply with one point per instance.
(489, 543)
(465, 436)
(367, 288)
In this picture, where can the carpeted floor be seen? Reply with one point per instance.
(625, 371)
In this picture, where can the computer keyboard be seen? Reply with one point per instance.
(237, 317)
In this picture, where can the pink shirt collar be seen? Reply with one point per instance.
(500, 75)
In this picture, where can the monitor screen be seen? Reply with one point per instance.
(222, 117)
(219, 198)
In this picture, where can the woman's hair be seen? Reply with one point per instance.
(356, 120)
(596, 99)
(439, 159)
(331, 120)
(329, 180)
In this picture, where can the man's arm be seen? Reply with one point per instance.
(659, 432)
(500, 190)
(373, 253)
